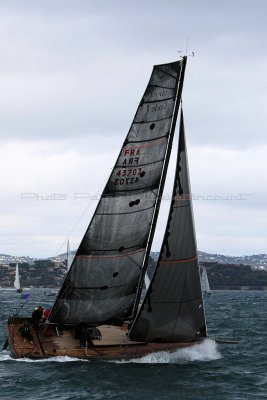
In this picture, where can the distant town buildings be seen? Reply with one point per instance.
(5, 258)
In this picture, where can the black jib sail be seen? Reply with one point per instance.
(102, 282)
(172, 310)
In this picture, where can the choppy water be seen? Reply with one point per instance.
(206, 371)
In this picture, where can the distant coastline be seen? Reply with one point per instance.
(50, 274)
(255, 261)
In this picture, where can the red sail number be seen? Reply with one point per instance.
(129, 172)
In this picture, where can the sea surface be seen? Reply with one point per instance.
(206, 371)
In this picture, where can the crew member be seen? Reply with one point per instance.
(48, 327)
(37, 317)
(25, 332)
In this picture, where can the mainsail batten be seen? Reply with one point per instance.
(173, 307)
(102, 282)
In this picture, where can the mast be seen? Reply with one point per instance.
(179, 89)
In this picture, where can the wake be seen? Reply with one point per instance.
(5, 356)
(206, 351)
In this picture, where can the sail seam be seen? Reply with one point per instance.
(133, 190)
(183, 197)
(137, 246)
(123, 213)
(152, 120)
(156, 101)
(178, 261)
(146, 145)
(185, 205)
(123, 255)
(149, 140)
(161, 87)
(176, 302)
(167, 73)
(138, 191)
(104, 287)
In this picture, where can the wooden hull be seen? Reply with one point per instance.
(113, 346)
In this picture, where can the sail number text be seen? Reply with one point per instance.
(128, 181)
(129, 172)
(126, 175)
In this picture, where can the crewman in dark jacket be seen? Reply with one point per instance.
(25, 331)
(37, 317)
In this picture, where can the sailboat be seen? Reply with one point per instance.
(97, 313)
(205, 287)
(69, 256)
(68, 263)
(17, 280)
(147, 281)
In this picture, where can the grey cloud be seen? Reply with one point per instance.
(72, 74)
(81, 67)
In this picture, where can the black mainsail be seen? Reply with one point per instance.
(101, 284)
(172, 310)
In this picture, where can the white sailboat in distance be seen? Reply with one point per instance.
(69, 256)
(17, 280)
(205, 287)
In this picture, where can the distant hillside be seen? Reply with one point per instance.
(256, 261)
(46, 273)
(229, 276)
(232, 276)
(42, 273)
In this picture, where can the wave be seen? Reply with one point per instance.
(206, 351)
(5, 356)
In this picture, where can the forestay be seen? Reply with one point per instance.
(101, 284)
(172, 310)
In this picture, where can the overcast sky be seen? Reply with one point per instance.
(71, 76)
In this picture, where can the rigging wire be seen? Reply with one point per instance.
(80, 217)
